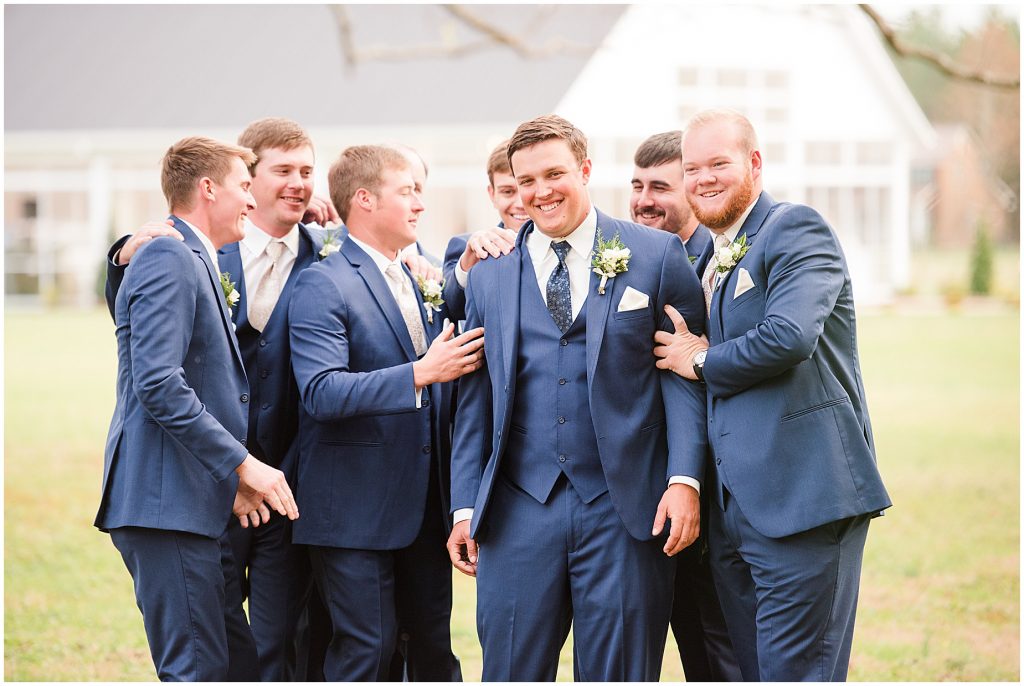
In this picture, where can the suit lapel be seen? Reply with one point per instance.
(510, 271)
(598, 305)
(378, 287)
(750, 228)
(230, 258)
(193, 242)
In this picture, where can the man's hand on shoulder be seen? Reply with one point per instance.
(487, 243)
(421, 266)
(145, 234)
(320, 211)
(681, 504)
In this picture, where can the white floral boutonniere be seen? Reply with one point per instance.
(231, 295)
(728, 255)
(331, 244)
(610, 258)
(431, 292)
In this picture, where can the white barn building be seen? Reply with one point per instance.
(90, 106)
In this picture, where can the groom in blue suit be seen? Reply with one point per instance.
(571, 449)
(794, 476)
(176, 462)
(372, 362)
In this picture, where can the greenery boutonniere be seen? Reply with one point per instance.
(610, 258)
(231, 295)
(728, 255)
(331, 243)
(431, 292)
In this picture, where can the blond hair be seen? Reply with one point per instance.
(497, 163)
(360, 166)
(273, 132)
(745, 134)
(194, 158)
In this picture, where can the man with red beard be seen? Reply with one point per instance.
(794, 473)
(659, 201)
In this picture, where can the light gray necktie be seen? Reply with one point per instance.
(401, 288)
(710, 280)
(264, 298)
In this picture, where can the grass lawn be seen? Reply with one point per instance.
(940, 590)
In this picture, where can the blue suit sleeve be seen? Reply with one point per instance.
(115, 275)
(805, 275)
(474, 423)
(319, 329)
(685, 401)
(163, 285)
(454, 295)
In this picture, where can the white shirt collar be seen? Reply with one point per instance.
(207, 243)
(378, 258)
(733, 230)
(581, 240)
(256, 239)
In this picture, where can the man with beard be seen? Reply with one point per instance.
(794, 473)
(659, 201)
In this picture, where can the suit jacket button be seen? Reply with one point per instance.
(718, 460)
(561, 458)
(244, 398)
(243, 441)
(563, 342)
(425, 403)
(263, 343)
(561, 420)
(426, 449)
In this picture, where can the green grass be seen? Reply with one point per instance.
(940, 588)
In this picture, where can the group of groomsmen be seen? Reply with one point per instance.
(299, 422)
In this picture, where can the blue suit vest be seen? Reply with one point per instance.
(551, 431)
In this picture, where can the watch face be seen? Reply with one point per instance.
(699, 357)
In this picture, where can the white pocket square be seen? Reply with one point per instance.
(632, 299)
(743, 283)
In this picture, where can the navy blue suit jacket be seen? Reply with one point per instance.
(454, 295)
(697, 248)
(650, 424)
(787, 417)
(364, 464)
(179, 425)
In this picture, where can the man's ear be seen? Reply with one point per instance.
(364, 200)
(585, 170)
(206, 188)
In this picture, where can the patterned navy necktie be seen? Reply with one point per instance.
(559, 299)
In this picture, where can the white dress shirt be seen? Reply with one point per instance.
(255, 261)
(207, 243)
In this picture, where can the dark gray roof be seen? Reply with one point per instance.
(156, 66)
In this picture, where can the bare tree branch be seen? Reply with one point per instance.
(943, 62)
(491, 36)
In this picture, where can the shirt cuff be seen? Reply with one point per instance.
(689, 481)
(461, 275)
(461, 515)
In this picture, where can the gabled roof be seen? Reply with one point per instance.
(182, 66)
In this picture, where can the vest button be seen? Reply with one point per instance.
(263, 343)
(244, 398)
(426, 449)
(425, 402)
(265, 406)
(561, 420)
(561, 458)
(264, 373)
(563, 342)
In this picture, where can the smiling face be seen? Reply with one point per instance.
(505, 197)
(552, 186)
(658, 199)
(232, 202)
(282, 185)
(721, 177)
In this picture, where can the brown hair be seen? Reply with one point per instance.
(745, 134)
(194, 158)
(545, 128)
(273, 132)
(659, 149)
(497, 163)
(360, 166)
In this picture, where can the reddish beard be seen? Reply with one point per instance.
(728, 215)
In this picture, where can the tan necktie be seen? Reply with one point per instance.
(401, 288)
(710, 280)
(264, 298)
